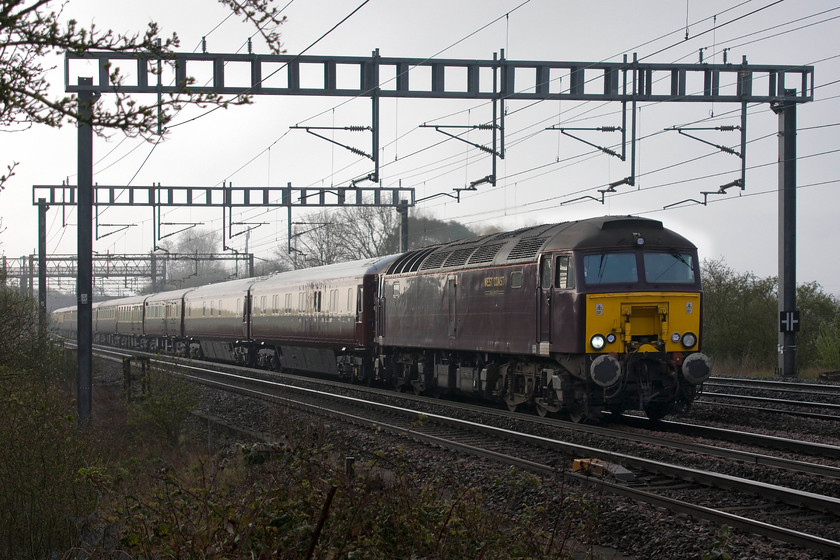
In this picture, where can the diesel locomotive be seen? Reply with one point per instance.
(581, 317)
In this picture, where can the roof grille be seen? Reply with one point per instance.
(435, 260)
(485, 253)
(526, 248)
(459, 257)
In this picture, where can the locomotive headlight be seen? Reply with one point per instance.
(597, 341)
(689, 340)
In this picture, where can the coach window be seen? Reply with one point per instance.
(565, 271)
(301, 301)
(349, 300)
(396, 289)
(516, 279)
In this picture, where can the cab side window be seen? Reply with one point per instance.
(545, 273)
(565, 272)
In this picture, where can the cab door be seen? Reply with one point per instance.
(544, 304)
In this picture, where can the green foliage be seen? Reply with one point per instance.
(168, 401)
(827, 345)
(275, 509)
(739, 316)
(40, 455)
(21, 345)
(741, 319)
(722, 550)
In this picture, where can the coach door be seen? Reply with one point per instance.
(361, 339)
(544, 305)
(452, 289)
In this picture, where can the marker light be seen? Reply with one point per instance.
(689, 340)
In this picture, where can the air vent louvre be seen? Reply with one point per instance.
(459, 257)
(485, 253)
(526, 248)
(435, 260)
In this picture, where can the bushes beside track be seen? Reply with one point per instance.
(741, 319)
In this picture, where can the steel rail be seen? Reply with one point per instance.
(808, 404)
(791, 536)
(792, 386)
(761, 440)
(785, 495)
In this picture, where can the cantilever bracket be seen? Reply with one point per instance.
(473, 127)
(356, 151)
(742, 128)
(228, 223)
(97, 225)
(610, 189)
(492, 151)
(721, 190)
(157, 214)
(120, 227)
(622, 156)
(722, 148)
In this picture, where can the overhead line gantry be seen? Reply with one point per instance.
(493, 80)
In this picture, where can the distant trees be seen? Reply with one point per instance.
(354, 233)
(740, 320)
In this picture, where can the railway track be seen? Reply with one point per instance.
(777, 511)
(771, 510)
(819, 401)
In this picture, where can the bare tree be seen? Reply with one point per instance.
(32, 29)
(317, 241)
(362, 232)
(368, 231)
(193, 267)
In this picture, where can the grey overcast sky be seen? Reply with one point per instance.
(542, 171)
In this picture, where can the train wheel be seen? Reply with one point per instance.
(576, 412)
(616, 409)
(656, 411)
(513, 407)
(541, 410)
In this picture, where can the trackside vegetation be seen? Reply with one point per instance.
(143, 480)
(741, 323)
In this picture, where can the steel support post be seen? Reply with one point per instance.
(84, 281)
(787, 233)
(42, 266)
(402, 208)
(154, 271)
